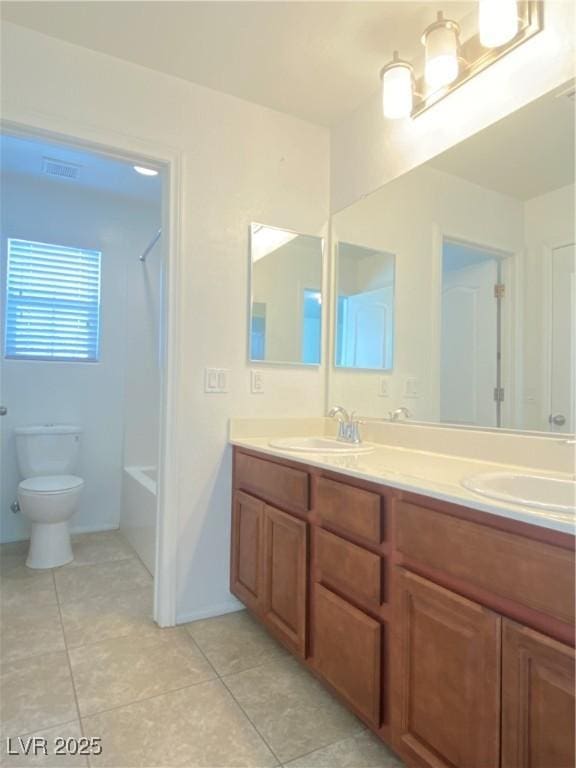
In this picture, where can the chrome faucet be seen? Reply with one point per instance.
(348, 425)
(396, 414)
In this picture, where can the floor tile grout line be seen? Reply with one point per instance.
(74, 565)
(121, 591)
(252, 722)
(49, 728)
(295, 757)
(148, 698)
(201, 650)
(74, 691)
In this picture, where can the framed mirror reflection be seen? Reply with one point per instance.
(483, 238)
(364, 306)
(285, 325)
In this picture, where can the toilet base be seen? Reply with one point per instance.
(49, 545)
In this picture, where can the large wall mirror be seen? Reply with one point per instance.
(484, 302)
(286, 296)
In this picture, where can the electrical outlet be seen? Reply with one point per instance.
(383, 387)
(412, 387)
(256, 382)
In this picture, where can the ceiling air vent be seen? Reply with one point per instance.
(53, 167)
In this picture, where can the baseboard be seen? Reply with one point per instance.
(74, 530)
(93, 528)
(208, 613)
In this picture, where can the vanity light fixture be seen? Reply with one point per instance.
(397, 88)
(502, 25)
(441, 41)
(497, 21)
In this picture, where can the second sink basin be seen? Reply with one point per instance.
(537, 491)
(318, 445)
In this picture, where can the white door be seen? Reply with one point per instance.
(368, 334)
(563, 341)
(469, 353)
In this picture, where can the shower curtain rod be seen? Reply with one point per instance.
(153, 242)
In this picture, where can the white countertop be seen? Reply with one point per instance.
(430, 474)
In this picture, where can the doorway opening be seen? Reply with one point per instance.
(83, 311)
(475, 282)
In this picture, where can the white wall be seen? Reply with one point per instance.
(141, 405)
(88, 394)
(368, 151)
(240, 163)
(408, 218)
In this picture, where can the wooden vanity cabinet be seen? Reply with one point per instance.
(449, 632)
(247, 551)
(347, 651)
(538, 709)
(268, 567)
(285, 550)
(448, 677)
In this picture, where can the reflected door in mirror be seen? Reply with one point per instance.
(563, 341)
(364, 308)
(286, 296)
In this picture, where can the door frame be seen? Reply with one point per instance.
(135, 150)
(547, 267)
(511, 329)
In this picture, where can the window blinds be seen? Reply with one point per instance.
(52, 302)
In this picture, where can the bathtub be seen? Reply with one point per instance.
(138, 516)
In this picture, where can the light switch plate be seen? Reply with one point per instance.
(216, 380)
(256, 382)
(412, 387)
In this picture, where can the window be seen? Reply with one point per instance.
(52, 302)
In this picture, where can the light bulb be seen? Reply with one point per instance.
(397, 89)
(498, 22)
(441, 43)
(145, 171)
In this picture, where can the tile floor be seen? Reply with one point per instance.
(80, 654)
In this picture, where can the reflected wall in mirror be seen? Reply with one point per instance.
(364, 322)
(483, 237)
(286, 296)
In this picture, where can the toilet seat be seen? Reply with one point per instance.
(50, 484)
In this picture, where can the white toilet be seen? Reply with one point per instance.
(49, 493)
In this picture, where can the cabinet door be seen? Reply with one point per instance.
(347, 651)
(448, 678)
(285, 554)
(247, 561)
(537, 700)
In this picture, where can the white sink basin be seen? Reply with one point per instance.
(531, 490)
(318, 445)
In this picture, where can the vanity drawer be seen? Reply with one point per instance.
(350, 510)
(348, 569)
(347, 648)
(282, 485)
(534, 574)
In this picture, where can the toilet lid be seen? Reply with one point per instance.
(51, 484)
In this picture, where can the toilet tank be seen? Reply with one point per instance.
(48, 449)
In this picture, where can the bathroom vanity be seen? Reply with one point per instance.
(447, 630)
